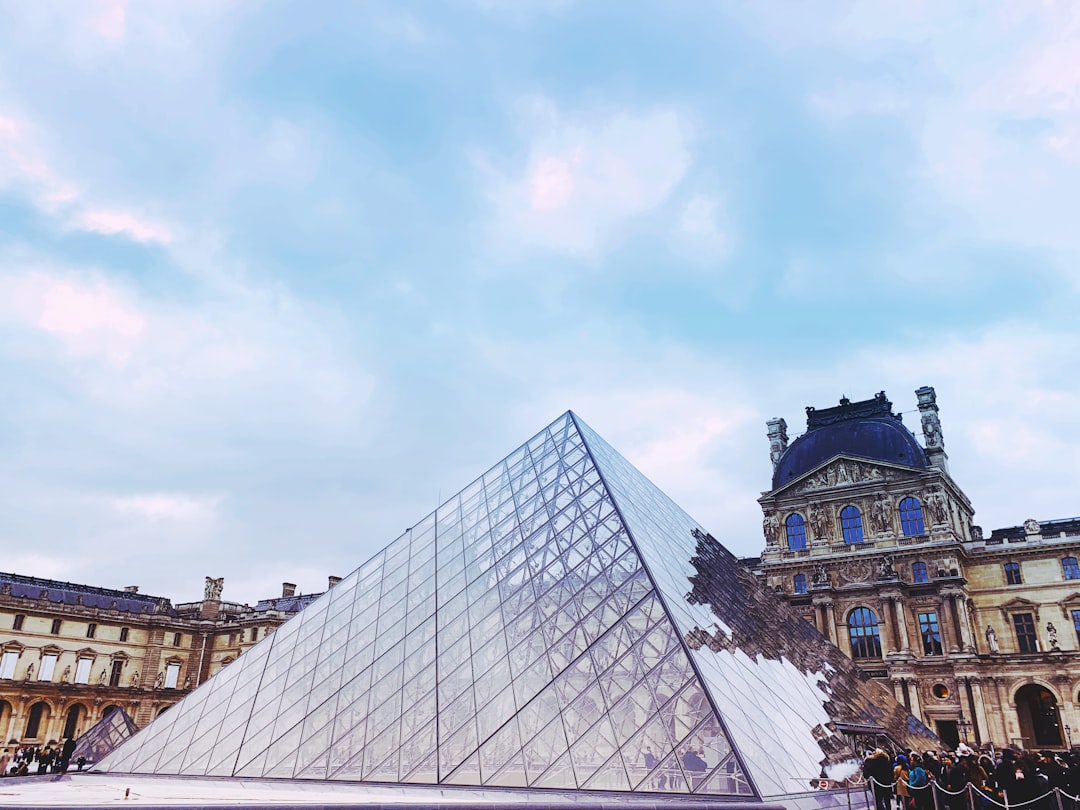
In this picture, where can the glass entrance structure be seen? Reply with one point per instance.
(558, 624)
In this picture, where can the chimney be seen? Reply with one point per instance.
(288, 589)
(131, 588)
(777, 440)
(333, 581)
(931, 427)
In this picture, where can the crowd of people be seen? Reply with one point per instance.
(29, 760)
(1007, 777)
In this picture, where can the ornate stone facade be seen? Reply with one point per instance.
(978, 637)
(69, 654)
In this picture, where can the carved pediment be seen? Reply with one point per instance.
(842, 471)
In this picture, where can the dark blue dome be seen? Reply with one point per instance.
(879, 437)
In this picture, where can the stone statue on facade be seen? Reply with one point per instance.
(101, 677)
(159, 681)
(1031, 526)
(1051, 636)
(67, 674)
(821, 576)
(819, 519)
(885, 568)
(213, 588)
(135, 680)
(939, 506)
(30, 672)
(879, 514)
(991, 639)
(770, 525)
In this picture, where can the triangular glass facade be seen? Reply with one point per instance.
(534, 632)
(105, 735)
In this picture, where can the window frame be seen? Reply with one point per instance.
(1070, 568)
(912, 523)
(799, 583)
(48, 663)
(864, 636)
(124, 633)
(172, 674)
(930, 632)
(9, 659)
(18, 621)
(1028, 640)
(91, 630)
(1013, 573)
(57, 625)
(851, 525)
(84, 666)
(795, 532)
(920, 573)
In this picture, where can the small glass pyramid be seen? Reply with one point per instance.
(102, 737)
(534, 631)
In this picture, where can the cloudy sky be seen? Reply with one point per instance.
(275, 277)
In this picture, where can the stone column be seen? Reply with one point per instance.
(885, 627)
(830, 616)
(901, 621)
(980, 709)
(947, 625)
(913, 692)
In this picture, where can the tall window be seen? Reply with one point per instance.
(796, 532)
(919, 574)
(82, 670)
(48, 666)
(800, 583)
(10, 657)
(851, 524)
(176, 640)
(18, 622)
(1012, 574)
(911, 517)
(55, 627)
(91, 630)
(123, 634)
(117, 668)
(172, 672)
(33, 721)
(1075, 618)
(863, 632)
(1026, 640)
(931, 633)
(1070, 568)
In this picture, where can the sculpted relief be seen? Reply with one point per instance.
(839, 474)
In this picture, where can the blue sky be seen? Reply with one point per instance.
(275, 277)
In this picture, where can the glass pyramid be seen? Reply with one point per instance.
(537, 630)
(102, 737)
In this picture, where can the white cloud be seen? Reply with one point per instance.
(124, 223)
(169, 506)
(88, 315)
(584, 178)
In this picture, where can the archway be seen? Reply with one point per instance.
(5, 720)
(1040, 721)
(73, 723)
(112, 707)
(37, 720)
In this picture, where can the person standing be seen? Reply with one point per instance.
(878, 771)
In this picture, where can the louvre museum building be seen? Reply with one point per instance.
(561, 632)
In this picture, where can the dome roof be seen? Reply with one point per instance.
(867, 429)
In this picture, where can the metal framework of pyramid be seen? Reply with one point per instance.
(105, 735)
(534, 631)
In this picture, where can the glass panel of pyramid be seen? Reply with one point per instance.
(556, 624)
(104, 736)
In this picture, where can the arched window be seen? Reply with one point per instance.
(71, 725)
(800, 583)
(911, 520)
(851, 524)
(919, 574)
(796, 532)
(863, 632)
(1070, 568)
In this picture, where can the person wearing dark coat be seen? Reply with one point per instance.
(878, 767)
